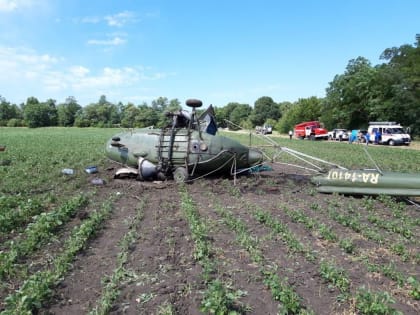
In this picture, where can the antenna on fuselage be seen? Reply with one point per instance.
(194, 103)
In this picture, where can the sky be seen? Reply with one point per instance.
(219, 51)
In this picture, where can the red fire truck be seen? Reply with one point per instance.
(311, 130)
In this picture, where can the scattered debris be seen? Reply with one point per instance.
(67, 171)
(260, 168)
(5, 162)
(91, 169)
(97, 181)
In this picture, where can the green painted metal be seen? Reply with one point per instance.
(368, 182)
(199, 152)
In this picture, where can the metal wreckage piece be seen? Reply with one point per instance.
(368, 182)
(188, 148)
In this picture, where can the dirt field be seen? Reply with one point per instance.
(271, 240)
(161, 275)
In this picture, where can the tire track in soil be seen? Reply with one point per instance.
(234, 264)
(82, 286)
(164, 271)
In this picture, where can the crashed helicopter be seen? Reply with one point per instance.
(187, 148)
(332, 178)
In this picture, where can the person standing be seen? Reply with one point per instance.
(353, 136)
(340, 135)
(367, 138)
(377, 136)
(290, 134)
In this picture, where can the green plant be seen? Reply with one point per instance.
(38, 233)
(347, 245)
(165, 309)
(280, 290)
(415, 287)
(290, 301)
(327, 233)
(112, 283)
(371, 303)
(38, 287)
(220, 298)
(336, 276)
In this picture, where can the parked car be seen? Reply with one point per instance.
(335, 134)
(389, 132)
(266, 129)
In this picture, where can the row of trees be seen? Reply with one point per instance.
(386, 92)
(68, 114)
(106, 114)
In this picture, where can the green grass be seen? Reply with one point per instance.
(37, 156)
(353, 156)
(32, 186)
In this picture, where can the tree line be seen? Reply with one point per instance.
(389, 91)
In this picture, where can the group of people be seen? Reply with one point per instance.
(356, 135)
(364, 137)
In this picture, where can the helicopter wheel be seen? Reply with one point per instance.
(181, 175)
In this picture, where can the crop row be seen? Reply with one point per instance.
(15, 212)
(369, 224)
(353, 221)
(219, 297)
(38, 287)
(332, 273)
(291, 302)
(337, 276)
(120, 275)
(388, 270)
(37, 233)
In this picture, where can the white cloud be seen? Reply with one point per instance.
(107, 78)
(18, 61)
(42, 75)
(114, 20)
(120, 19)
(90, 19)
(79, 71)
(116, 41)
(8, 5)
(55, 81)
(13, 5)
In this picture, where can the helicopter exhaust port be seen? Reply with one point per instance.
(255, 156)
(147, 169)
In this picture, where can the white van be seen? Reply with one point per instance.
(390, 133)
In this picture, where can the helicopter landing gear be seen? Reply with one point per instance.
(181, 175)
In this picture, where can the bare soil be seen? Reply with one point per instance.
(162, 276)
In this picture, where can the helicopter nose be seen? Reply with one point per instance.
(254, 156)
